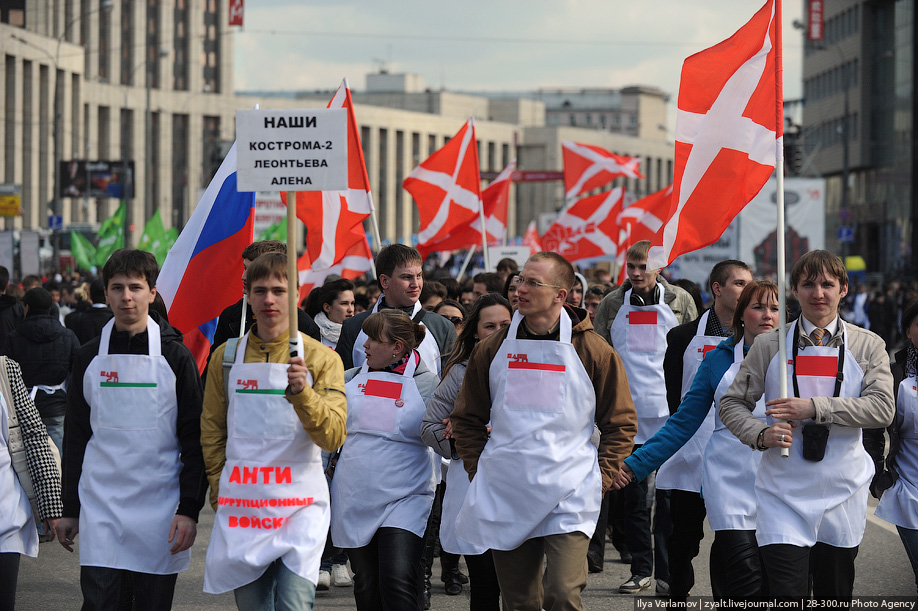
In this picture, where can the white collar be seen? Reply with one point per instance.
(808, 327)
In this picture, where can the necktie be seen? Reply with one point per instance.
(817, 336)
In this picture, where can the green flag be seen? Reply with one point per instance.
(171, 236)
(276, 231)
(153, 239)
(82, 250)
(111, 236)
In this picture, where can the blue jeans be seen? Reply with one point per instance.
(387, 571)
(55, 426)
(279, 589)
(909, 538)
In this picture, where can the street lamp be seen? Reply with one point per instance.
(56, 208)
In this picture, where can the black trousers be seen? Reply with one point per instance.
(9, 576)
(687, 513)
(386, 575)
(789, 567)
(483, 584)
(104, 589)
(736, 566)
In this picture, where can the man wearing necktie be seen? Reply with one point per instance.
(811, 505)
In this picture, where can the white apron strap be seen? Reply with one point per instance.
(154, 341)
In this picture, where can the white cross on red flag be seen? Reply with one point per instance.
(588, 167)
(495, 199)
(355, 261)
(587, 229)
(334, 219)
(729, 131)
(641, 221)
(446, 188)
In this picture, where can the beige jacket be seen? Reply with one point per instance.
(874, 408)
(321, 409)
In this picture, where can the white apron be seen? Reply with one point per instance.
(18, 534)
(384, 476)
(129, 489)
(273, 494)
(801, 502)
(429, 350)
(681, 471)
(729, 466)
(538, 474)
(899, 504)
(639, 337)
(457, 486)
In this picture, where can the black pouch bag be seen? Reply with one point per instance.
(815, 437)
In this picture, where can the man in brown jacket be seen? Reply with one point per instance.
(537, 482)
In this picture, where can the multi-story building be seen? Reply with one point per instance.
(858, 116)
(152, 82)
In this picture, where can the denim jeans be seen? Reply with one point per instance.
(909, 538)
(55, 426)
(278, 589)
(386, 571)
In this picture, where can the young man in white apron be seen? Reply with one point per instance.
(811, 506)
(263, 429)
(541, 385)
(401, 278)
(686, 346)
(635, 319)
(133, 477)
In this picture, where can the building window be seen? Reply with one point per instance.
(211, 51)
(180, 47)
(127, 42)
(153, 44)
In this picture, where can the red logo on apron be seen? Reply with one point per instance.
(381, 388)
(110, 376)
(642, 317)
(819, 366)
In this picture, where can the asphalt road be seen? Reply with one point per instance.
(51, 581)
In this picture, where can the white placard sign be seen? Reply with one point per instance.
(291, 150)
(520, 254)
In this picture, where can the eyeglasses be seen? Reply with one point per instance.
(518, 280)
(456, 320)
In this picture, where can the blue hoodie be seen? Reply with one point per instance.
(688, 418)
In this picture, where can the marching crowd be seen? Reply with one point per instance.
(514, 420)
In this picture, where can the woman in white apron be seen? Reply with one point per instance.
(729, 467)
(383, 487)
(489, 314)
(897, 484)
(18, 535)
(330, 305)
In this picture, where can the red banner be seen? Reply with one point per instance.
(815, 19)
(236, 9)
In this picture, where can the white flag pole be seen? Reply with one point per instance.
(779, 155)
(465, 264)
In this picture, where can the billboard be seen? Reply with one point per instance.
(97, 179)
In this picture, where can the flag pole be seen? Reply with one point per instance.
(374, 227)
(484, 235)
(779, 155)
(292, 275)
(465, 264)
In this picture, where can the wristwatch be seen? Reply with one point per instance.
(760, 441)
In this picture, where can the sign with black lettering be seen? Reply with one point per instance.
(291, 150)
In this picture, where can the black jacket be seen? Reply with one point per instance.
(87, 324)
(875, 442)
(11, 312)
(189, 395)
(44, 350)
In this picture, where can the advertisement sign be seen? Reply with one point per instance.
(815, 18)
(269, 210)
(97, 179)
(10, 201)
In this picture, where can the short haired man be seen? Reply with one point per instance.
(812, 505)
(44, 350)
(635, 319)
(507, 266)
(11, 311)
(487, 282)
(231, 317)
(133, 479)
(537, 481)
(686, 346)
(401, 279)
(263, 428)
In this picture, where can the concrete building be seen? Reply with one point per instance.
(153, 82)
(858, 120)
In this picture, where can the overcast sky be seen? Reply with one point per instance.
(478, 45)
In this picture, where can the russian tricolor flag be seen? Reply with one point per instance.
(201, 274)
